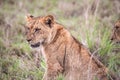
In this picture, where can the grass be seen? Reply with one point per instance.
(90, 22)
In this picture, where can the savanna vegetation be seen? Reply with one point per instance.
(90, 21)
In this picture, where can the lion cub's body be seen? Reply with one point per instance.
(65, 55)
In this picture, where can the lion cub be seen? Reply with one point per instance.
(62, 52)
(116, 32)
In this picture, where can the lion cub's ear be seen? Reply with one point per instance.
(49, 20)
(29, 17)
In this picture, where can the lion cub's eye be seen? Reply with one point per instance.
(37, 29)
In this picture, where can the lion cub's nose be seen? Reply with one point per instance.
(29, 40)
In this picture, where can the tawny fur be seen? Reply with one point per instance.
(62, 52)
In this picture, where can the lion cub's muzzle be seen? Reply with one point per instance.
(33, 45)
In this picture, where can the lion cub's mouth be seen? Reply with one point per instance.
(35, 45)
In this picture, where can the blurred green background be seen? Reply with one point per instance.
(90, 21)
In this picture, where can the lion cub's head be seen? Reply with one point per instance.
(116, 32)
(39, 29)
